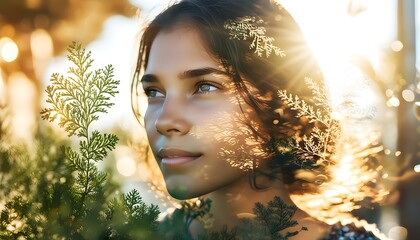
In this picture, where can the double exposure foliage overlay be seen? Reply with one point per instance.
(58, 192)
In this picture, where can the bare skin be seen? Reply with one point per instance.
(238, 200)
(195, 130)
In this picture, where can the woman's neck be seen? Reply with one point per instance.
(236, 201)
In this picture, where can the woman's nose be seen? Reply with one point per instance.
(173, 119)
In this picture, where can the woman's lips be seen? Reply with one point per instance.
(174, 156)
(177, 160)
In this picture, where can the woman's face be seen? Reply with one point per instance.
(195, 120)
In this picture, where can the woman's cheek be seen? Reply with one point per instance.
(150, 118)
(231, 139)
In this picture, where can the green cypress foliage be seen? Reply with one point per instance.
(58, 192)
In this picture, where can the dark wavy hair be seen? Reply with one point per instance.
(267, 74)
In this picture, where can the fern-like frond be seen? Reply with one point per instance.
(246, 27)
(98, 146)
(76, 101)
(303, 109)
(319, 95)
(319, 145)
(79, 97)
(270, 222)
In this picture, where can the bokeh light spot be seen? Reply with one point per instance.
(393, 102)
(389, 92)
(8, 50)
(408, 95)
(396, 46)
(126, 166)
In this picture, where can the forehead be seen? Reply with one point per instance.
(180, 47)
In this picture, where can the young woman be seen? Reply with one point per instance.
(211, 70)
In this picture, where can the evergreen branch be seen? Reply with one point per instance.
(102, 87)
(277, 216)
(303, 109)
(243, 28)
(319, 95)
(137, 210)
(224, 234)
(195, 210)
(76, 100)
(321, 141)
(99, 145)
(270, 221)
(66, 101)
(132, 200)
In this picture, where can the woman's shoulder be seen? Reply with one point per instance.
(318, 230)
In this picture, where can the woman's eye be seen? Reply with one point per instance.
(153, 93)
(205, 88)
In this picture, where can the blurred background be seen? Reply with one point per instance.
(372, 41)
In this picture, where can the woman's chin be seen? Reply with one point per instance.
(182, 193)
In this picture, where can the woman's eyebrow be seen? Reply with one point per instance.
(149, 78)
(192, 73)
(201, 72)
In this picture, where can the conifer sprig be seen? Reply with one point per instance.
(326, 131)
(271, 221)
(76, 100)
(246, 27)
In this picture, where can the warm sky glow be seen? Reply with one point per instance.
(336, 37)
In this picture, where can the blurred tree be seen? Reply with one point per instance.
(65, 20)
(42, 29)
(408, 126)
